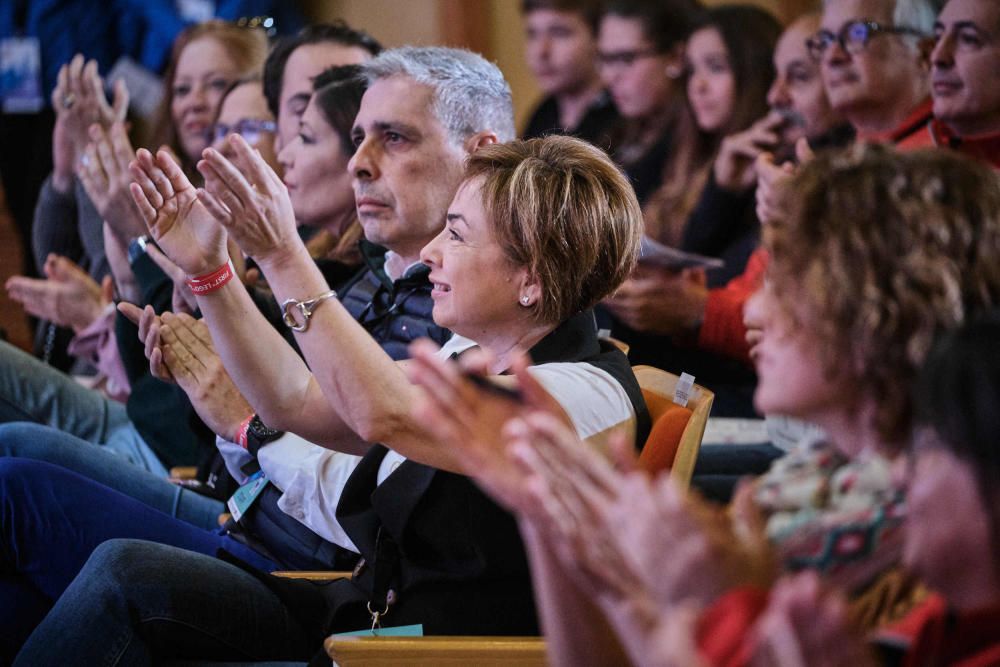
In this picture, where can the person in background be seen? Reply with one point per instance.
(561, 50)
(295, 61)
(729, 70)
(965, 79)
(640, 48)
(873, 56)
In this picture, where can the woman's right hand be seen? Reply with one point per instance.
(176, 219)
(79, 102)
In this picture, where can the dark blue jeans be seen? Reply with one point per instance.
(108, 467)
(51, 520)
(139, 603)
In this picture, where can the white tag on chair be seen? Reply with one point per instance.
(682, 392)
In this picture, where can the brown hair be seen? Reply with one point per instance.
(749, 34)
(248, 48)
(589, 10)
(561, 208)
(883, 251)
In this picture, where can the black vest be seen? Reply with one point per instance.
(456, 561)
(395, 313)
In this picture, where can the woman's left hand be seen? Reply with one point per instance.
(250, 201)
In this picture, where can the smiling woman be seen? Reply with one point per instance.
(206, 60)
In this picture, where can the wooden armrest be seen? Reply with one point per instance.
(183, 472)
(427, 651)
(330, 575)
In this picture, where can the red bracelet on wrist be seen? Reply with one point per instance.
(210, 282)
(241, 434)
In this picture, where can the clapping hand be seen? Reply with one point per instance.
(247, 198)
(68, 296)
(79, 102)
(104, 172)
(175, 217)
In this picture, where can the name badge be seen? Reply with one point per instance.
(21, 75)
(245, 496)
(398, 631)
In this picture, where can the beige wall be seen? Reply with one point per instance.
(399, 22)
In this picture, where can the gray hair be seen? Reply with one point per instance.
(470, 93)
(917, 14)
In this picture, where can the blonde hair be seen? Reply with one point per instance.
(881, 252)
(561, 208)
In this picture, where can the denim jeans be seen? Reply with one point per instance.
(52, 519)
(136, 603)
(33, 391)
(44, 443)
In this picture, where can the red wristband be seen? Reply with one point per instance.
(241, 434)
(210, 282)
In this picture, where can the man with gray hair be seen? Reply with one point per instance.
(435, 549)
(874, 65)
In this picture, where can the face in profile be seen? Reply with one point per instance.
(302, 66)
(204, 72)
(797, 91)
(791, 377)
(244, 111)
(632, 69)
(561, 50)
(315, 172)
(711, 85)
(965, 62)
(406, 166)
(476, 288)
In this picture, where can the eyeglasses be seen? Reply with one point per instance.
(853, 37)
(248, 128)
(625, 58)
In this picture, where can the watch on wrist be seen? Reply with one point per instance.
(260, 434)
(137, 248)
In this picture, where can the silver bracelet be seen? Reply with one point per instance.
(306, 308)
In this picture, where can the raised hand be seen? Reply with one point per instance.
(103, 171)
(79, 102)
(250, 201)
(69, 296)
(190, 356)
(734, 166)
(180, 224)
(772, 188)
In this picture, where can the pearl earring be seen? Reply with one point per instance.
(524, 300)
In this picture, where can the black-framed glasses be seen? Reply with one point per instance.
(625, 58)
(248, 128)
(854, 36)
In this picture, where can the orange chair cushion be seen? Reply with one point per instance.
(669, 422)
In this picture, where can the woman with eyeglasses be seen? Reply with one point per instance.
(640, 54)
